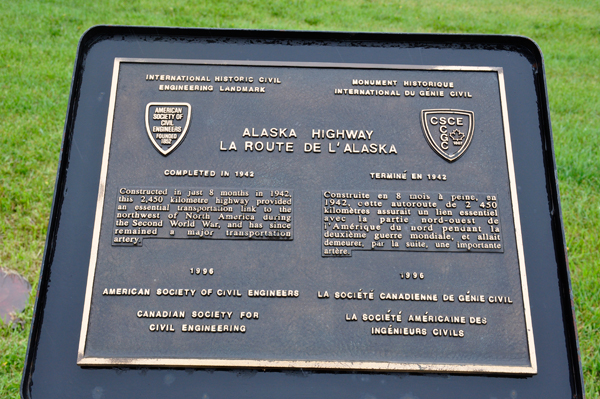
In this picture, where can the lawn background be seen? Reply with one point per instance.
(38, 42)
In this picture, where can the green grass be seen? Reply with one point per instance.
(37, 50)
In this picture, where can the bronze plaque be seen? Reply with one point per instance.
(307, 215)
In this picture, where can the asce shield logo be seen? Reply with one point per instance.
(167, 125)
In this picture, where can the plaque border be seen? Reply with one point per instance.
(382, 366)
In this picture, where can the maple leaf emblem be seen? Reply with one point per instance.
(457, 135)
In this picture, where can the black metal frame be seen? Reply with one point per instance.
(121, 41)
